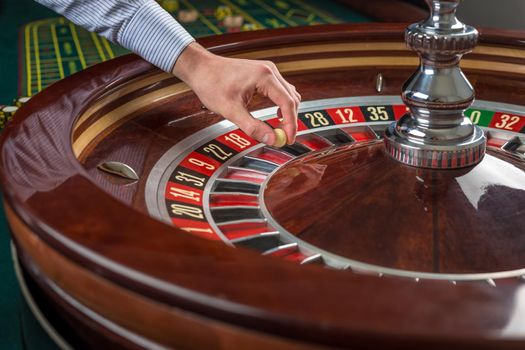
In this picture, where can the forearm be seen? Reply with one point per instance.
(141, 26)
(192, 60)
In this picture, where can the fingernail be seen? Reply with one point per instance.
(265, 138)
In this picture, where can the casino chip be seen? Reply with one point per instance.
(249, 26)
(187, 16)
(233, 21)
(6, 114)
(19, 102)
(280, 138)
(222, 12)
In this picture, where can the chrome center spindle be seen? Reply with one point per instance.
(435, 133)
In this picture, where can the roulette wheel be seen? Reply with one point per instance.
(142, 220)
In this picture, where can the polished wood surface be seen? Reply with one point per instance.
(388, 214)
(173, 327)
(98, 228)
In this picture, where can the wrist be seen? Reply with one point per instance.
(192, 60)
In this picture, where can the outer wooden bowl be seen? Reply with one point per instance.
(122, 278)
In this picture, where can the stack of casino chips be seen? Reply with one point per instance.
(19, 102)
(7, 112)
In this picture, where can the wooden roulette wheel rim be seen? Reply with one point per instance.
(124, 278)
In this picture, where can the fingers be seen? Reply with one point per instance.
(288, 104)
(289, 126)
(291, 89)
(239, 80)
(254, 128)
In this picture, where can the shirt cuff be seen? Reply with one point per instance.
(155, 35)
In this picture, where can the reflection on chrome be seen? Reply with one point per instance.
(516, 324)
(491, 172)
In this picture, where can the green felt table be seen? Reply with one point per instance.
(18, 328)
(40, 48)
(53, 48)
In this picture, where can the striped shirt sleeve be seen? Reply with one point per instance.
(141, 26)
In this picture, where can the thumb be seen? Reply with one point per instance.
(253, 127)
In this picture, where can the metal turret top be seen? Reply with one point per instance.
(436, 133)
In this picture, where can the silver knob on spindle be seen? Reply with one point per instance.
(435, 133)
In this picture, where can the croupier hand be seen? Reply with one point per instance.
(226, 86)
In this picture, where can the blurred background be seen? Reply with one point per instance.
(26, 32)
(508, 14)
